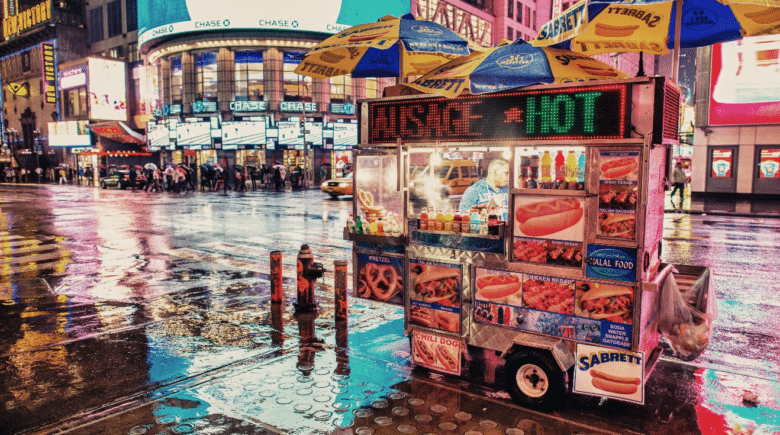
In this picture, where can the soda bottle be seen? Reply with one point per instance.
(448, 218)
(483, 223)
(372, 226)
(560, 167)
(475, 223)
(431, 219)
(358, 225)
(456, 222)
(546, 169)
(351, 224)
(581, 168)
(571, 167)
(439, 220)
(422, 222)
(493, 222)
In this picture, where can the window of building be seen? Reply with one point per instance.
(177, 81)
(131, 15)
(117, 52)
(114, 18)
(341, 89)
(296, 87)
(96, 25)
(206, 76)
(510, 10)
(372, 88)
(519, 16)
(510, 33)
(527, 20)
(75, 102)
(249, 76)
(133, 55)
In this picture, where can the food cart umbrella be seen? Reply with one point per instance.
(510, 65)
(392, 47)
(651, 26)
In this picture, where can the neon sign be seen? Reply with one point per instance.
(587, 112)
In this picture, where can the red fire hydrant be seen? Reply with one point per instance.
(308, 272)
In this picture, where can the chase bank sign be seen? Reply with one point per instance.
(297, 106)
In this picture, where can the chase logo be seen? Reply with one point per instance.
(426, 30)
(515, 61)
(699, 19)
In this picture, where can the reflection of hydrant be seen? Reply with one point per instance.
(308, 272)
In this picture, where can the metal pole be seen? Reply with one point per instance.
(277, 292)
(676, 54)
(340, 289)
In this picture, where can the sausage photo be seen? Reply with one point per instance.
(614, 384)
(606, 302)
(445, 358)
(542, 218)
(620, 167)
(424, 353)
(421, 316)
(497, 286)
(622, 225)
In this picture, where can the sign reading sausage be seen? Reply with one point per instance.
(610, 373)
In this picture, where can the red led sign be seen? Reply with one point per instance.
(588, 112)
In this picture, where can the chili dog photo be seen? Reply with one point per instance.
(620, 225)
(445, 358)
(605, 302)
(621, 167)
(614, 384)
(542, 218)
(423, 352)
(440, 352)
(497, 287)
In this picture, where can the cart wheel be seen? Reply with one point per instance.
(533, 379)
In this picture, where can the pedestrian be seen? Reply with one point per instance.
(283, 174)
(253, 177)
(219, 178)
(39, 173)
(132, 175)
(156, 180)
(678, 181)
(24, 175)
(240, 182)
(89, 175)
(63, 176)
(277, 178)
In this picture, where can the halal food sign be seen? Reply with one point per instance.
(587, 112)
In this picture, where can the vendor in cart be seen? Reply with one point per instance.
(495, 187)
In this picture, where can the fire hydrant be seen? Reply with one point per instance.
(308, 272)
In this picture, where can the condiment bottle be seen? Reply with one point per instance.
(448, 218)
(493, 222)
(456, 222)
(465, 223)
(546, 168)
(439, 220)
(475, 223)
(422, 222)
(380, 227)
(483, 223)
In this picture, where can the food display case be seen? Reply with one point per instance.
(528, 223)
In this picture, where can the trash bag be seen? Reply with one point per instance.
(685, 318)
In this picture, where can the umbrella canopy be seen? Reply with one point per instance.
(608, 26)
(150, 166)
(391, 47)
(511, 65)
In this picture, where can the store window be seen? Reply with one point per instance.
(177, 81)
(114, 15)
(249, 76)
(131, 13)
(341, 90)
(75, 102)
(206, 76)
(296, 87)
(132, 52)
(519, 16)
(96, 25)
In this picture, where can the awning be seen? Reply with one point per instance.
(118, 131)
(115, 153)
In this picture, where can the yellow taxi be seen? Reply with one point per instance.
(338, 186)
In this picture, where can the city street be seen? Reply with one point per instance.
(128, 312)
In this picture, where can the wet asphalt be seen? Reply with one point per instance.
(127, 312)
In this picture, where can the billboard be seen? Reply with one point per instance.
(193, 133)
(69, 134)
(242, 133)
(17, 21)
(745, 82)
(161, 19)
(107, 95)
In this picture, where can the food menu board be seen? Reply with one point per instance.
(562, 307)
(435, 295)
(618, 194)
(551, 168)
(548, 230)
(380, 278)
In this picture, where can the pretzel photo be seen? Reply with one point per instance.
(379, 281)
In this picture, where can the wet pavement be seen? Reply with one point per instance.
(723, 205)
(130, 313)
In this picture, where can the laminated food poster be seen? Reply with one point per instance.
(548, 230)
(435, 295)
(618, 195)
(438, 352)
(609, 373)
(380, 278)
(561, 307)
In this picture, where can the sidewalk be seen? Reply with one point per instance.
(725, 205)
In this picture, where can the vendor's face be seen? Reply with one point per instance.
(501, 177)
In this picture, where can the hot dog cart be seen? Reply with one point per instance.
(565, 282)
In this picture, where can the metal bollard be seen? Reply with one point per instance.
(308, 272)
(340, 289)
(277, 292)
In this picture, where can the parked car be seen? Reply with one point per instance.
(120, 179)
(338, 186)
(451, 177)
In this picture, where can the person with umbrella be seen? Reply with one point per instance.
(240, 184)
(253, 175)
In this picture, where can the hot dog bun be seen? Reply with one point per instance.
(445, 358)
(614, 31)
(617, 168)
(547, 217)
(497, 286)
(614, 384)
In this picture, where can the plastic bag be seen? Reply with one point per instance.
(685, 319)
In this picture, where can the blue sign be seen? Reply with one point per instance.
(611, 262)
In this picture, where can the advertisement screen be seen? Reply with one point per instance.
(243, 133)
(769, 163)
(193, 133)
(158, 136)
(721, 163)
(69, 134)
(344, 134)
(745, 82)
(157, 19)
(107, 95)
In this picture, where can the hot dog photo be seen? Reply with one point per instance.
(435, 283)
(553, 217)
(619, 225)
(609, 372)
(436, 351)
(498, 286)
(619, 165)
